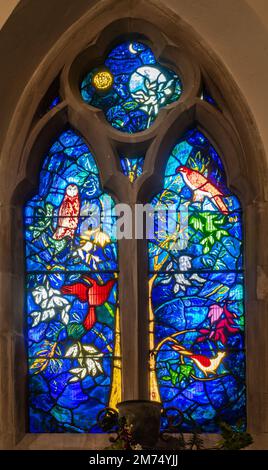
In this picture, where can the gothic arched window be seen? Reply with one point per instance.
(72, 308)
(156, 133)
(197, 291)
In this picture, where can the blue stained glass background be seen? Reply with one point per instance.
(132, 167)
(54, 102)
(206, 96)
(133, 102)
(197, 293)
(70, 364)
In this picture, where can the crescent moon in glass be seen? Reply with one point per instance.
(131, 49)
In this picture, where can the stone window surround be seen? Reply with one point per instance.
(232, 133)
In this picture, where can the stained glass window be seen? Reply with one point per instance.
(132, 167)
(54, 102)
(131, 87)
(206, 96)
(71, 304)
(197, 290)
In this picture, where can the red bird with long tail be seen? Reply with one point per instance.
(93, 293)
(202, 187)
(208, 365)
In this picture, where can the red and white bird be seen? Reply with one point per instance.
(202, 187)
(92, 293)
(208, 365)
(68, 213)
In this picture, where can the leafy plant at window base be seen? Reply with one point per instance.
(109, 421)
(124, 439)
(231, 439)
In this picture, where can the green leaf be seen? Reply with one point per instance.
(211, 239)
(49, 209)
(220, 265)
(36, 233)
(221, 233)
(75, 330)
(166, 378)
(197, 223)
(174, 376)
(105, 314)
(198, 162)
(186, 370)
(129, 105)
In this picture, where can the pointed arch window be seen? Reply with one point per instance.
(72, 303)
(197, 291)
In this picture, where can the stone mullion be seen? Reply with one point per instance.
(256, 216)
(133, 298)
(128, 289)
(7, 331)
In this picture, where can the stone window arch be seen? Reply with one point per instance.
(224, 131)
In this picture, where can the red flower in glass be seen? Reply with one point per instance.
(222, 327)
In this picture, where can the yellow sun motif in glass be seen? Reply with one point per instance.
(102, 80)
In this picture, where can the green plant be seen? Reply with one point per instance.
(195, 442)
(230, 439)
(124, 439)
(233, 440)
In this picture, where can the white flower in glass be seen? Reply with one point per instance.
(150, 88)
(181, 280)
(51, 302)
(89, 360)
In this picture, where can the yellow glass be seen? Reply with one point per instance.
(102, 80)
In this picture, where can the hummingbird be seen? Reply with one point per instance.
(93, 293)
(202, 187)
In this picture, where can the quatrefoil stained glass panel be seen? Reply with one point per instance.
(131, 87)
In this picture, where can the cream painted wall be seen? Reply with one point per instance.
(261, 8)
(237, 31)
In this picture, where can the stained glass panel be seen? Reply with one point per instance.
(196, 285)
(71, 291)
(131, 87)
(206, 96)
(56, 100)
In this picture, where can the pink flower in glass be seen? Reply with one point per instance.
(214, 313)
